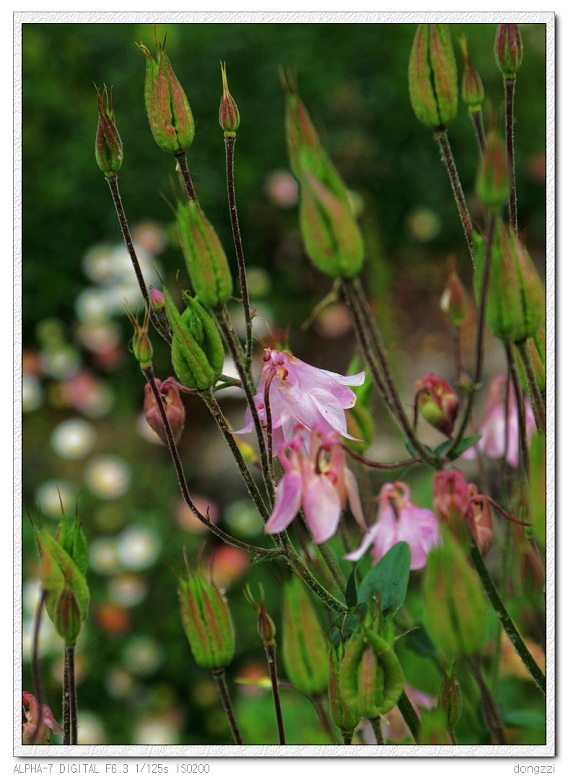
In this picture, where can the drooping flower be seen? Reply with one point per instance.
(398, 520)
(319, 481)
(499, 430)
(437, 402)
(300, 393)
(36, 728)
(175, 410)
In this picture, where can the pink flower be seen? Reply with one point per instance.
(300, 393)
(33, 731)
(173, 405)
(398, 520)
(495, 424)
(319, 481)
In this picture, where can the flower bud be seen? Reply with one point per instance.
(108, 146)
(67, 616)
(173, 405)
(454, 299)
(480, 520)
(536, 346)
(169, 114)
(266, 627)
(229, 118)
(515, 299)
(492, 183)
(451, 497)
(455, 607)
(204, 256)
(342, 715)
(304, 650)
(197, 349)
(437, 402)
(157, 300)
(370, 676)
(331, 235)
(472, 86)
(508, 49)
(141, 344)
(206, 621)
(432, 76)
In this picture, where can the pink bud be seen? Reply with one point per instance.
(451, 496)
(157, 299)
(175, 410)
(480, 519)
(437, 402)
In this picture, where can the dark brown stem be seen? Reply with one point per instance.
(181, 158)
(372, 464)
(441, 136)
(377, 728)
(271, 658)
(230, 167)
(115, 192)
(69, 697)
(490, 712)
(477, 119)
(509, 133)
(480, 341)
(174, 453)
(221, 683)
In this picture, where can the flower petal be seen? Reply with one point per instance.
(287, 502)
(322, 507)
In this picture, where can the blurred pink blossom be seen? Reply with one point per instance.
(319, 481)
(500, 430)
(300, 393)
(398, 520)
(35, 728)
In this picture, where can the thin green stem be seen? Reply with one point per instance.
(271, 658)
(223, 690)
(506, 621)
(510, 144)
(409, 714)
(230, 169)
(333, 566)
(324, 718)
(441, 136)
(377, 728)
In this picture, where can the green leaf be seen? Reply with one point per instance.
(418, 640)
(388, 579)
(464, 445)
(442, 448)
(411, 449)
(351, 589)
(525, 719)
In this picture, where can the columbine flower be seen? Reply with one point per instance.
(300, 393)
(319, 481)
(175, 410)
(35, 729)
(398, 520)
(498, 433)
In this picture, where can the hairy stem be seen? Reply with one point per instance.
(230, 169)
(69, 697)
(221, 683)
(510, 144)
(477, 119)
(537, 402)
(271, 658)
(441, 136)
(181, 158)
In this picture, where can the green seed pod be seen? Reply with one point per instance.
(456, 609)
(508, 49)
(197, 349)
(472, 85)
(304, 651)
(344, 717)
(169, 113)
(229, 117)
(204, 255)
(515, 301)
(67, 617)
(206, 621)
(492, 183)
(450, 700)
(432, 75)
(331, 235)
(108, 146)
(370, 676)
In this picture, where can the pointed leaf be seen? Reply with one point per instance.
(388, 579)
